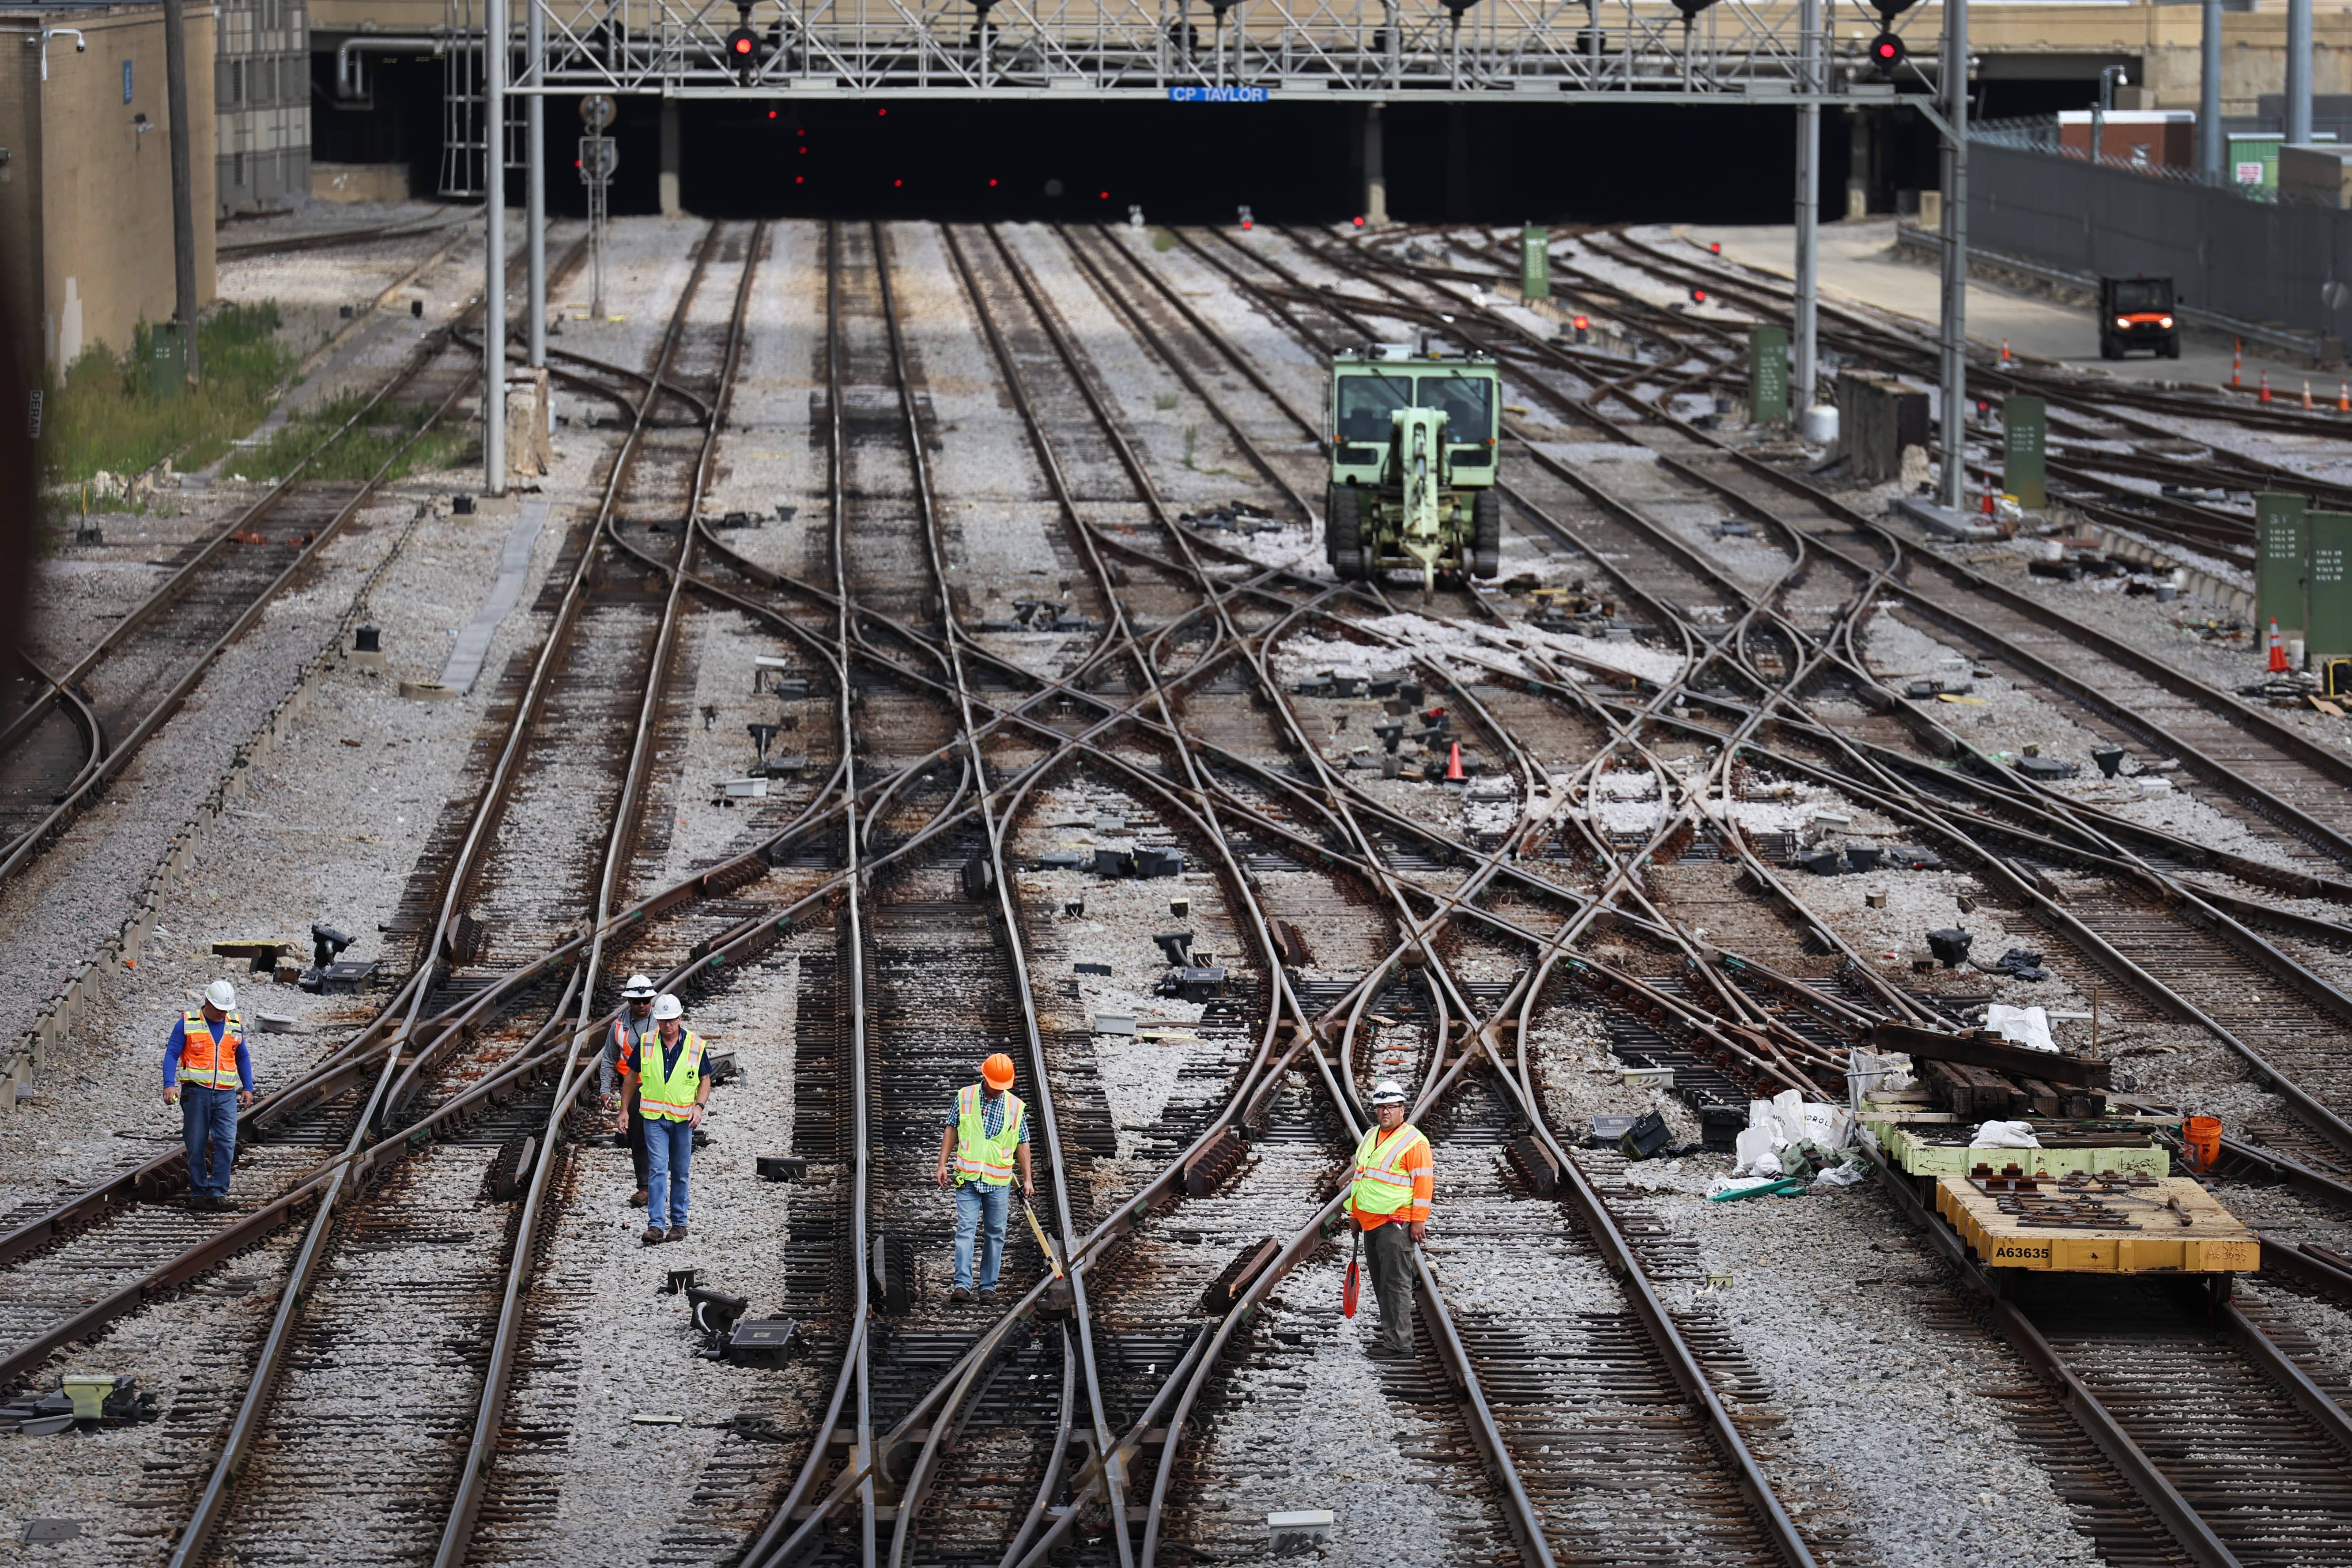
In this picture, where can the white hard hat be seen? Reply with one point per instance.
(1388, 1091)
(221, 995)
(638, 989)
(667, 1007)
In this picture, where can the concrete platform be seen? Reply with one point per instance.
(1859, 265)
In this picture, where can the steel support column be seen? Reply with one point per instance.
(2298, 71)
(534, 189)
(1953, 387)
(494, 248)
(185, 306)
(1376, 171)
(2210, 144)
(1805, 345)
(665, 186)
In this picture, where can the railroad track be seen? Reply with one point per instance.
(908, 892)
(77, 730)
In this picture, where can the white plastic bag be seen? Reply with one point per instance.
(1754, 1154)
(2005, 1135)
(1833, 1177)
(1829, 1127)
(2027, 1026)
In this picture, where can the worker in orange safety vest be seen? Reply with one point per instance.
(208, 1073)
(1389, 1204)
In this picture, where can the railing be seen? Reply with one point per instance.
(1145, 48)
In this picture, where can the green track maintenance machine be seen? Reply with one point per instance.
(1413, 463)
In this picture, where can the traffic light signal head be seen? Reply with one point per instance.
(743, 48)
(1699, 296)
(1888, 51)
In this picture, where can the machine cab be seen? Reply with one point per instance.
(1369, 387)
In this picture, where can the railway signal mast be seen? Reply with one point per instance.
(599, 157)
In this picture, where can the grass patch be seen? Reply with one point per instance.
(101, 417)
(359, 451)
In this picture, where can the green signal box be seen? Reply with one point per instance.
(1767, 373)
(167, 361)
(2283, 545)
(2329, 588)
(1535, 262)
(2024, 473)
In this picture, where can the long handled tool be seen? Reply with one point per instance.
(1355, 1281)
(1039, 1232)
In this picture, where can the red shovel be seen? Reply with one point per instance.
(1355, 1282)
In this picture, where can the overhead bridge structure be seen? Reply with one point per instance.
(1375, 51)
(1624, 50)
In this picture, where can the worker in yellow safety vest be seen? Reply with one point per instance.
(208, 1073)
(664, 1084)
(1389, 1204)
(987, 1133)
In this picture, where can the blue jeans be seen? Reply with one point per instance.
(669, 1155)
(974, 1202)
(208, 1127)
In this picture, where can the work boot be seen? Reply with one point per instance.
(638, 1199)
(655, 1235)
(988, 1295)
(677, 1233)
(960, 1295)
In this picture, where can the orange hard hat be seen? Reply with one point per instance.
(998, 1070)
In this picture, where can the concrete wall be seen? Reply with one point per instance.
(261, 97)
(86, 209)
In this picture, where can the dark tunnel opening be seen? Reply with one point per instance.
(1191, 163)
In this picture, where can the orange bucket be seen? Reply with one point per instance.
(2202, 1134)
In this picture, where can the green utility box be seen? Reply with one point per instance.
(2025, 427)
(1768, 375)
(1535, 262)
(167, 361)
(2254, 160)
(2330, 591)
(2282, 541)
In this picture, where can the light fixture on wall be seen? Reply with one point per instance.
(41, 40)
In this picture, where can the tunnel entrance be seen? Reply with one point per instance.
(1188, 164)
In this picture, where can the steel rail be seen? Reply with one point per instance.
(254, 1410)
(21, 852)
(172, 587)
(1521, 1513)
(481, 1453)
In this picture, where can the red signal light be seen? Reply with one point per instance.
(743, 47)
(1104, 196)
(991, 184)
(1887, 50)
(895, 184)
(1360, 222)
(1582, 322)
(772, 115)
(880, 112)
(1715, 247)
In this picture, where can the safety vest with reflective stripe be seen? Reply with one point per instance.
(659, 1096)
(1383, 1185)
(207, 1059)
(978, 1156)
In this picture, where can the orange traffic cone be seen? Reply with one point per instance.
(2278, 649)
(2343, 397)
(2004, 350)
(2237, 361)
(2306, 395)
(1990, 509)
(1453, 751)
(2266, 387)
